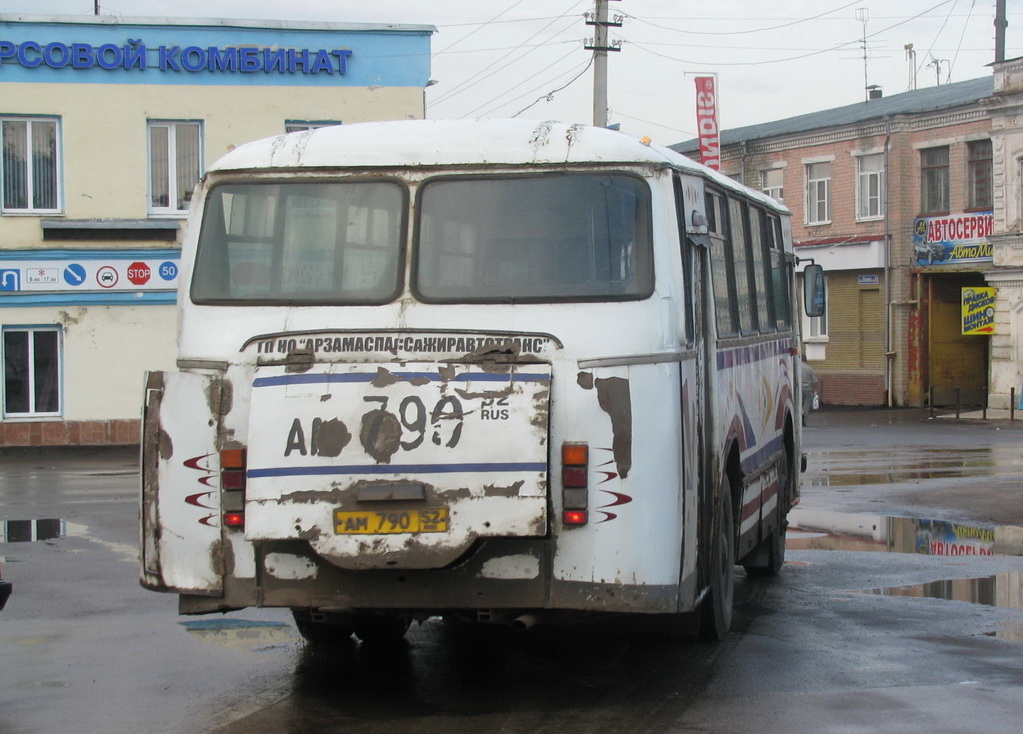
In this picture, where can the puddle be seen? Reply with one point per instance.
(1003, 590)
(851, 468)
(242, 635)
(29, 531)
(827, 530)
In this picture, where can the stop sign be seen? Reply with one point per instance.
(138, 273)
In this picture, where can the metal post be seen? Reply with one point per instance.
(985, 403)
(600, 66)
(957, 403)
(600, 47)
(1012, 403)
(930, 399)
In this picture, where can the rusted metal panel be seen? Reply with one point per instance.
(464, 445)
(181, 537)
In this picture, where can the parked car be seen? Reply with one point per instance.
(930, 252)
(5, 589)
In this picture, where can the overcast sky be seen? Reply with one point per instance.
(497, 58)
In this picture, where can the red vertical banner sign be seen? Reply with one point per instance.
(707, 121)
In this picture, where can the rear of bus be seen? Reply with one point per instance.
(408, 378)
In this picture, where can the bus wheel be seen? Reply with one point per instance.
(716, 609)
(325, 632)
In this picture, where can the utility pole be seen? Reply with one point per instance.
(600, 47)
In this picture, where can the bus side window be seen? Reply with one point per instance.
(722, 273)
(759, 262)
(688, 291)
(740, 262)
(779, 271)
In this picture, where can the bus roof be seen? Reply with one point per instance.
(445, 143)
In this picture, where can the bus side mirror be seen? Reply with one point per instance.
(813, 290)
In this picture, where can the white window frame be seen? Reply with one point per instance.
(172, 179)
(32, 331)
(776, 192)
(818, 194)
(864, 181)
(294, 126)
(58, 172)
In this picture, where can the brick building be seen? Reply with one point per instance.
(894, 197)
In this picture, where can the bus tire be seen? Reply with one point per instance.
(716, 608)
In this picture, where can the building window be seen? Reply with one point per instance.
(870, 186)
(934, 180)
(32, 366)
(175, 164)
(295, 126)
(978, 159)
(771, 183)
(31, 164)
(818, 193)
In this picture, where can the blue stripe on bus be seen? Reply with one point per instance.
(306, 471)
(325, 378)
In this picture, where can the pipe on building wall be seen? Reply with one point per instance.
(889, 352)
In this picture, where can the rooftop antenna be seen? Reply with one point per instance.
(911, 56)
(936, 63)
(863, 15)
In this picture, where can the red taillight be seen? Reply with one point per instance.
(232, 479)
(575, 517)
(232, 485)
(234, 519)
(575, 470)
(573, 477)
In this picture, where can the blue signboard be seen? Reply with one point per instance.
(244, 53)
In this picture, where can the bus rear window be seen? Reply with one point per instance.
(545, 238)
(300, 243)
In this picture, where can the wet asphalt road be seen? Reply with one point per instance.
(84, 649)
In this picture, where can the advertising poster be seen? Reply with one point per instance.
(979, 311)
(952, 239)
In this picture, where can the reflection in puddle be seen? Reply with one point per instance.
(826, 530)
(851, 468)
(27, 531)
(242, 635)
(1004, 590)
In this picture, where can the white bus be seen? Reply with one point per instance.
(506, 371)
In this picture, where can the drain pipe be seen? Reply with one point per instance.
(889, 353)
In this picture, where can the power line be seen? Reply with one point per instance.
(550, 94)
(836, 47)
(961, 37)
(484, 25)
(481, 74)
(735, 33)
(511, 89)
